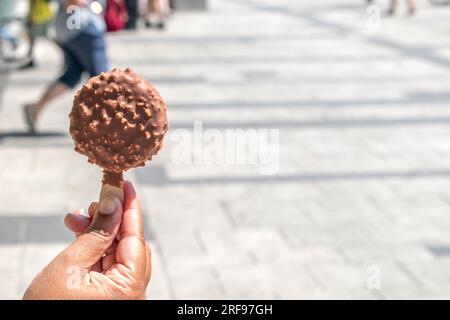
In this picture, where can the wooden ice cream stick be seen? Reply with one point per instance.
(112, 186)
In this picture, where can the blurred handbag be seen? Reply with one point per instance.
(115, 15)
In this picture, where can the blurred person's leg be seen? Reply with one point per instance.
(32, 34)
(148, 14)
(132, 10)
(35, 31)
(33, 110)
(411, 7)
(70, 77)
(91, 52)
(86, 52)
(392, 7)
(160, 10)
(39, 17)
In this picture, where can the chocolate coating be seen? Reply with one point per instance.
(118, 120)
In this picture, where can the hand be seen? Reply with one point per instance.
(109, 259)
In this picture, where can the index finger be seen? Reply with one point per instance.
(131, 247)
(132, 214)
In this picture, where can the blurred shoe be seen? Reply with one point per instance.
(29, 65)
(30, 117)
(389, 13)
(411, 12)
(161, 25)
(148, 24)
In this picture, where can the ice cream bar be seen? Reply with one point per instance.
(118, 121)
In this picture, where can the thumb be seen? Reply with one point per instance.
(89, 247)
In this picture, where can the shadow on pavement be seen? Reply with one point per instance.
(22, 228)
(33, 229)
(441, 99)
(158, 175)
(3, 81)
(28, 135)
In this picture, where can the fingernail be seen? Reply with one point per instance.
(107, 206)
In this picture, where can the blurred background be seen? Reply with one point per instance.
(359, 97)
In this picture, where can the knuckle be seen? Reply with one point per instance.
(99, 234)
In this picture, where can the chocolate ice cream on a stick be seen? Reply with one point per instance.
(118, 120)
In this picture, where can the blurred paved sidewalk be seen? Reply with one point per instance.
(364, 176)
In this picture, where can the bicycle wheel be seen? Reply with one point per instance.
(14, 40)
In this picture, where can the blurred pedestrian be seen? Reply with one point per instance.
(80, 35)
(157, 13)
(116, 15)
(132, 10)
(410, 3)
(39, 18)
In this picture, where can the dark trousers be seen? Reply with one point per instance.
(84, 53)
(132, 9)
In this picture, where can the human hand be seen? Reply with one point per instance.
(109, 259)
